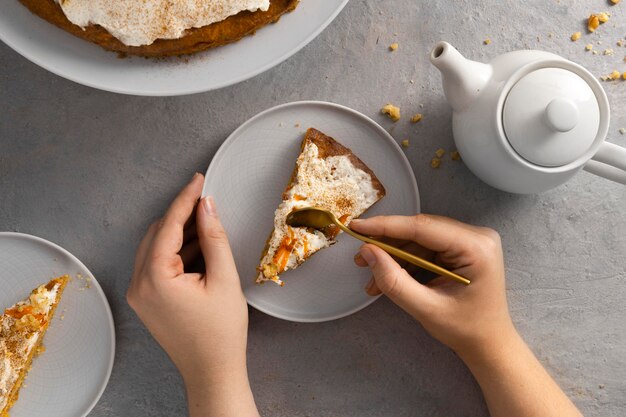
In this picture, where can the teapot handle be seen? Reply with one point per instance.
(609, 162)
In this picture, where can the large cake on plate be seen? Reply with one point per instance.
(157, 28)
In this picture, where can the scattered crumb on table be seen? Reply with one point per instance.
(416, 118)
(392, 111)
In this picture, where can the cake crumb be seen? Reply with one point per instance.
(412, 81)
(588, 47)
(455, 156)
(405, 143)
(575, 36)
(435, 163)
(615, 1)
(622, 131)
(393, 46)
(608, 51)
(296, 125)
(440, 152)
(392, 111)
(601, 386)
(603, 17)
(615, 75)
(40, 349)
(592, 23)
(416, 118)
(620, 43)
(487, 41)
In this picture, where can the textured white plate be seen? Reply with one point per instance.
(69, 377)
(247, 177)
(80, 61)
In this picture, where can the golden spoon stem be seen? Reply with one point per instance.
(399, 253)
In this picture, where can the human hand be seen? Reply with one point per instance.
(201, 318)
(466, 318)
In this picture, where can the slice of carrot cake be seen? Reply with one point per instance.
(22, 328)
(329, 176)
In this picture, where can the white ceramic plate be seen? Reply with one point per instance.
(80, 61)
(69, 377)
(247, 177)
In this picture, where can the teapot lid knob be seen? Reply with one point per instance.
(562, 114)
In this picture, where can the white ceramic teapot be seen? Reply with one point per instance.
(529, 120)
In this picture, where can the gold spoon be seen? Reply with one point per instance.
(318, 218)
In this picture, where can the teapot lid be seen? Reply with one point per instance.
(551, 117)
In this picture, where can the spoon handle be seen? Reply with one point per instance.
(409, 257)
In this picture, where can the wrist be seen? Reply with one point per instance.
(221, 391)
(209, 376)
(493, 351)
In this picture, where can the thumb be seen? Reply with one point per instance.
(396, 283)
(218, 257)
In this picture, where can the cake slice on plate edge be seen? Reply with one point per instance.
(22, 328)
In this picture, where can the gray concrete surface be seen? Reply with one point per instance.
(90, 170)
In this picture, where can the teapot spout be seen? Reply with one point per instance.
(463, 80)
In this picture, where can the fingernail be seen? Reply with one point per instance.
(356, 223)
(358, 257)
(209, 206)
(195, 175)
(368, 256)
(369, 285)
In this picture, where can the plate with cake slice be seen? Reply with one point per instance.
(57, 340)
(192, 46)
(296, 155)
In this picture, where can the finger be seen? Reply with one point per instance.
(144, 245)
(359, 261)
(169, 237)
(191, 232)
(191, 221)
(214, 244)
(372, 289)
(410, 247)
(396, 283)
(190, 253)
(439, 234)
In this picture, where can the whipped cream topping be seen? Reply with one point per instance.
(331, 183)
(23, 340)
(141, 22)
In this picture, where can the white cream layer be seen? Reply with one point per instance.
(42, 300)
(334, 184)
(141, 22)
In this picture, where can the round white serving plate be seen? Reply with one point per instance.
(69, 377)
(88, 64)
(247, 177)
